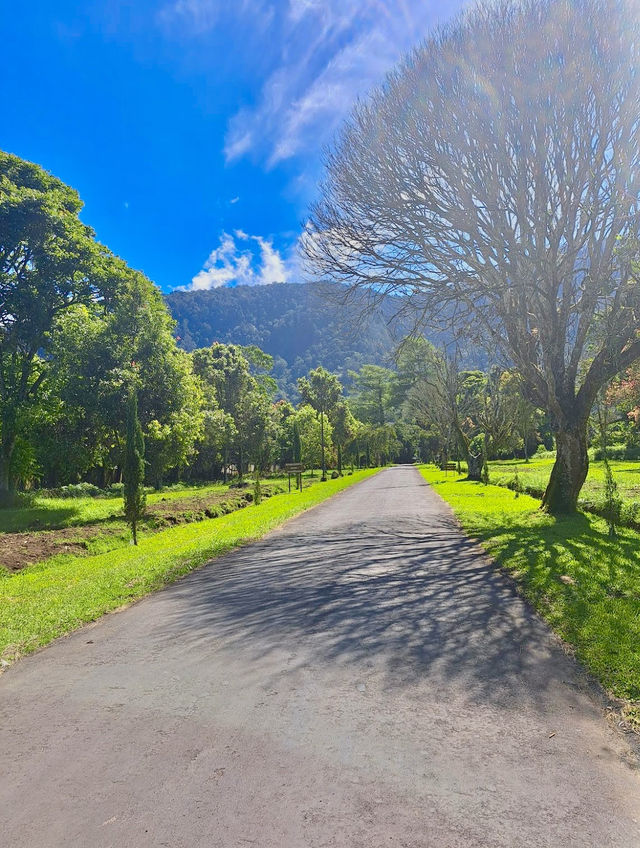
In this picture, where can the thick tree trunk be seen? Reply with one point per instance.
(474, 466)
(339, 460)
(7, 484)
(569, 471)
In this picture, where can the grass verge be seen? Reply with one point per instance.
(45, 601)
(586, 585)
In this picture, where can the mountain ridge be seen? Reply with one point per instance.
(302, 325)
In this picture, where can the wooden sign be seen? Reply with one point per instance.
(295, 468)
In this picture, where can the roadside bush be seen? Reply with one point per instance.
(74, 490)
(618, 451)
(543, 453)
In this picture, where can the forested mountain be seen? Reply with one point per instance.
(300, 325)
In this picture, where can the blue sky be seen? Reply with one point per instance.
(193, 129)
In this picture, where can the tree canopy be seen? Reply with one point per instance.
(494, 180)
(49, 262)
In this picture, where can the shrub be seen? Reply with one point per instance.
(618, 451)
(74, 490)
(238, 484)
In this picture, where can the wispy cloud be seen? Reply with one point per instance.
(326, 54)
(242, 259)
(310, 60)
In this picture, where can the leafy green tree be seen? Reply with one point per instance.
(134, 494)
(256, 431)
(344, 429)
(283, 412)
(97, 354)
(225, 373)
(49, 262)
(371, 394)
(321, 390)
(312, 436)
(381, 443)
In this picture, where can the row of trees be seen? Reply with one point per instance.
(494, 182)
(81, 333)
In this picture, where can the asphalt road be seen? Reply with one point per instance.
(360, 678)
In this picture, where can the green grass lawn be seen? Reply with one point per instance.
(53, 513)
(586, 585)
(46, 513)
(52, 598)
(536, 474)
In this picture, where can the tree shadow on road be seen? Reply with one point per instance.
(419, 602)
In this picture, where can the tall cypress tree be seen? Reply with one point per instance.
(134, 495)
(297, 446)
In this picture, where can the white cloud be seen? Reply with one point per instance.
(272, 269)
(242, 259)
(326, 53)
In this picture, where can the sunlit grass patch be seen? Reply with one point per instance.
(52, 598)
(585, 584)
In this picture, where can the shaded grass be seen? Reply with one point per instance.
(586, 585)
(50, 599)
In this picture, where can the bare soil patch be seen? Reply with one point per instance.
(18, 550)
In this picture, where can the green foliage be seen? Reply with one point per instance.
(613, 501)
(300, 325)
(98, 356)
(308, 426)
(248, 433)
(371, 395)
(75, 490)
(321, 390)
(49, 261)
(133, 469)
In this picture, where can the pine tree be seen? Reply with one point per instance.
(134, 494)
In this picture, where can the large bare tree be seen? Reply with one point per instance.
(494, 181)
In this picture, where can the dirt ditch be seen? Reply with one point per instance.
(17, 550)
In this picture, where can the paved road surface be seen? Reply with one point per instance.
(360, 678)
